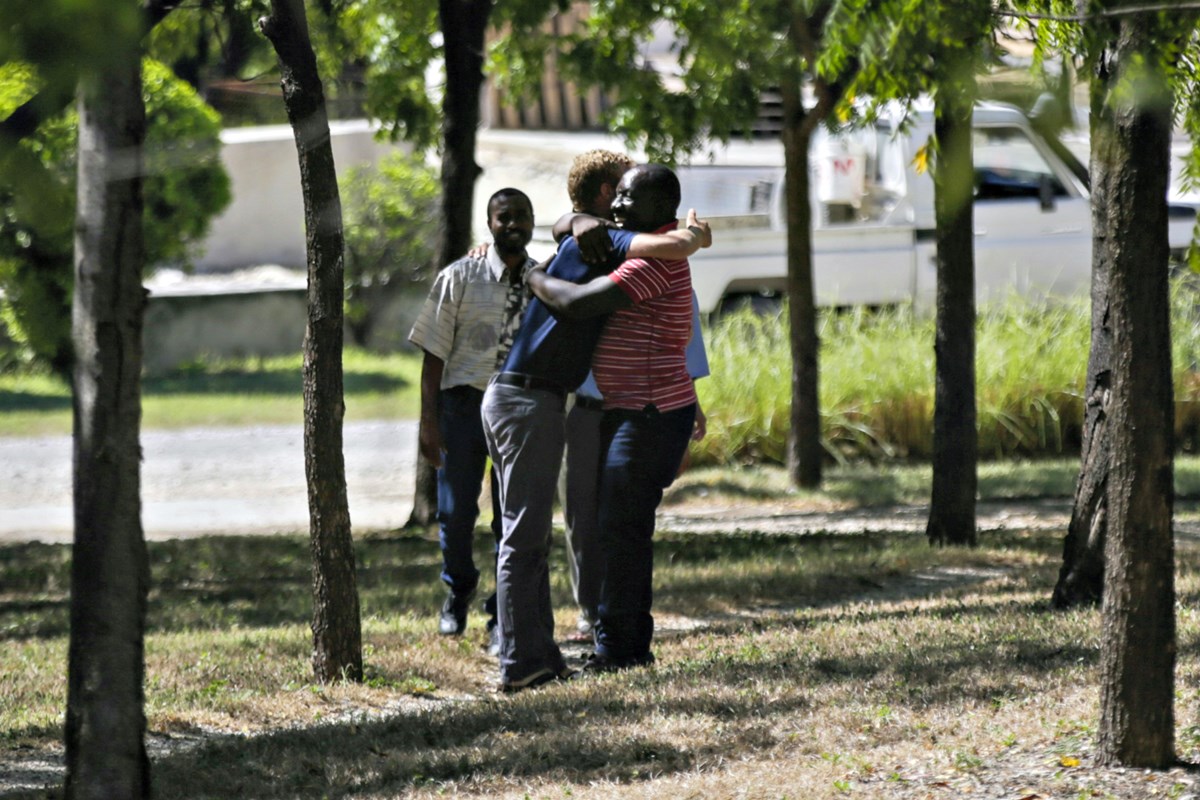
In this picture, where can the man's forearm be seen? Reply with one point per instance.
(574, 300)
(432, 368)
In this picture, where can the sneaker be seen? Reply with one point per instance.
(583, 633)
(598, 664)
(535, 679)
(539, 678)
(493, 645)
(452, 620)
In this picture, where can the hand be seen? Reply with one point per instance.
(591, 234)
(429, 438)
(700, 228)
(700, 427)
(478, 251)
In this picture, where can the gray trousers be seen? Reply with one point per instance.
(524, 430)
(579, 489)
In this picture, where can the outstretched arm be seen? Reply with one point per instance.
(577, 300)
(591, 233)
(673, 245)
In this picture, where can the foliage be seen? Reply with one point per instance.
(390, 213)
(55, 37)
(1059, 29)
(877, 382)
(185, 187)
(730, 56)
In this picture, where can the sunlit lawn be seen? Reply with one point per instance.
(242, 392)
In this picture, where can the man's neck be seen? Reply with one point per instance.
(512, 261)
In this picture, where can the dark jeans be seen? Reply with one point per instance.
(460, 480)
(643, 453)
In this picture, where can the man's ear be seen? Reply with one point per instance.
(608, 192)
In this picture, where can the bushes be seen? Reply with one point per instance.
(877, 370)
(391, 222)
(185, 187)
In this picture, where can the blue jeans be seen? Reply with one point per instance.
(643, 452)
(459, 481)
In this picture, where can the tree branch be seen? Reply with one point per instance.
(1149, 8)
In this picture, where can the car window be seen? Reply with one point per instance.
(1008, 165)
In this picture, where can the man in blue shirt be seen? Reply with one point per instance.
(523, 416)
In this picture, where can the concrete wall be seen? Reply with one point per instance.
(182, 328)
(264, 223)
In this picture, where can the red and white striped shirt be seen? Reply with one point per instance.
(639, 360)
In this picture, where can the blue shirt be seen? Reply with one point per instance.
(560, 350)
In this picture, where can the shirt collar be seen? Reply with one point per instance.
(496, 264)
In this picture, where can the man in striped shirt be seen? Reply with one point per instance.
(466, 329)
(649, 405)
(523, 422)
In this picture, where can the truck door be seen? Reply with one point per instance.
(1032, 219)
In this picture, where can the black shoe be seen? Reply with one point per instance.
(598, 664)
(452, 620)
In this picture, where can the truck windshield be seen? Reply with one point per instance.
(1009, 165)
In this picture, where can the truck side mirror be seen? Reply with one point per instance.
(1046, 193)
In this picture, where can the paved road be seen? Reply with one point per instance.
(214, 480)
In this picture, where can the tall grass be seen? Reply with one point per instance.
(877, 381)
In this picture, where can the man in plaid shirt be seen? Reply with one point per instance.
(466, 329)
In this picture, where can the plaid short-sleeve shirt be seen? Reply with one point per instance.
(470, 317)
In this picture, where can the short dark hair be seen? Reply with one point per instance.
(505, 194)
(665, 185)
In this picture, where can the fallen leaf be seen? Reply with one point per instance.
(1069, 761)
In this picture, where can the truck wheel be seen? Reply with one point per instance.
(768, 304)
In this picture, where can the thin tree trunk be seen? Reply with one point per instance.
(1137, 723)
(804, 450)
(464, 24)
(336, 624)
(955, 442)
(105, 725)
(1081, 577)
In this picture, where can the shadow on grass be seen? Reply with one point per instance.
(11, 401)
(220, 582)
(257, 381)
(217, 582)
(278, 381)
(755, 690)
(757, 681)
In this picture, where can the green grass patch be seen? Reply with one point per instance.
(224, 393)
(877, 382)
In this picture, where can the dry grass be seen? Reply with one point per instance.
(799, 666)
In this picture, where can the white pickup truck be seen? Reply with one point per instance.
(873, 237)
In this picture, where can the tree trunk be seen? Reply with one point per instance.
(955, 441)
(1131, 170)
(463, 24)
(1081, 577)
(804, 450)
(105, 724)
(336, 626)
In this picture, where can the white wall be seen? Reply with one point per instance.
(264, 223)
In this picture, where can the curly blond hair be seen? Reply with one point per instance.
(593, 169)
